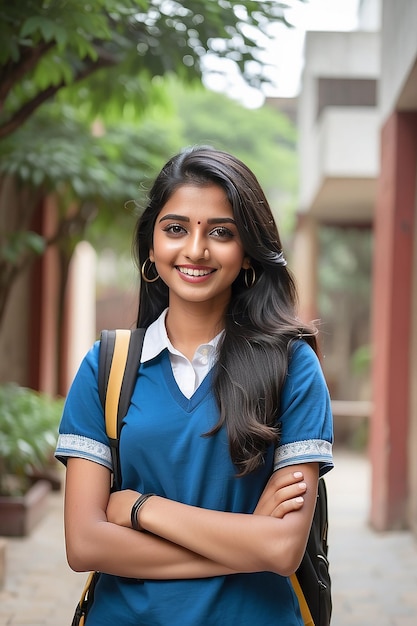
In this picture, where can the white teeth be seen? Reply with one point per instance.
(191, 272)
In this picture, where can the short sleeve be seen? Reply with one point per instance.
(306, 423)
(82, 431)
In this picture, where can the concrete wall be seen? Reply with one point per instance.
(341, 146)
(398, 55)
(354, 54)
(341, 141)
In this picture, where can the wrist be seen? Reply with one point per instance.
(137, 505)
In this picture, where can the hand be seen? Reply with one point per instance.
(283, 493)
(120, 505)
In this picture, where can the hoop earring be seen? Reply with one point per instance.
(253, 278)
(143, 270)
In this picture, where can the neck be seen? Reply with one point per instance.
(191, 325)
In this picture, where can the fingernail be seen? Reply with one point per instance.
(299, 499)
(302, 485)
(298, 474)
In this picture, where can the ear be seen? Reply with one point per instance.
(246, 263)
(151, 256)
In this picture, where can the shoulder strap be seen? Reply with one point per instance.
(305, 611)
(120, 352)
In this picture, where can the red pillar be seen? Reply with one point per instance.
(42, 349)
(391, 321)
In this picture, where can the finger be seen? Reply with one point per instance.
(287, 493)
(279, 479)
(271, 499)
(288, 506)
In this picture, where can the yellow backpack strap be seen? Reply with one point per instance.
(114, 385)
(119, 360)
(305, 611)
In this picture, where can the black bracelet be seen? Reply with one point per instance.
(135, 508)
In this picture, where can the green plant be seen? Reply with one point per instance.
(28, 430)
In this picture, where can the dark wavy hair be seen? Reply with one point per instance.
(260, 322)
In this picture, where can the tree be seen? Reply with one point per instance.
(50, 45)
(90, 174)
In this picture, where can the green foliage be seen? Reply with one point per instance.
(18, 244)
(91, 174)
(52, 45)
(28, 425)
(62, 152)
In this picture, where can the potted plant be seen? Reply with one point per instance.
(28, 430)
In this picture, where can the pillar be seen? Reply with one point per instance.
(391, 322)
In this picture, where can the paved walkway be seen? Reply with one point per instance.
(374, 575)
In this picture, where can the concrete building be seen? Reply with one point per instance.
(358, 166)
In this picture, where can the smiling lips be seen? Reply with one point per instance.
(195, 272)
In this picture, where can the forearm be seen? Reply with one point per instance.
(273, 539)
(183, 541)
(124, 552)
(96, 542)
(240, 542)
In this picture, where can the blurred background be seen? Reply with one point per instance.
(318, 98)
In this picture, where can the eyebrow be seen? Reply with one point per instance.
(183, 218)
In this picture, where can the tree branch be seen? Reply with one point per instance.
(28, 108)
(13, 72)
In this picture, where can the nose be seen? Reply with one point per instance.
(196, 247)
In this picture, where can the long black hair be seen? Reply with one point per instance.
(260, 322)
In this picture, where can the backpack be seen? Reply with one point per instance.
(119, 360)
(311, 581)
(118, 365)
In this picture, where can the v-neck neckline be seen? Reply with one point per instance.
(187, 404)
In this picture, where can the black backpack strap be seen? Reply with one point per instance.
(130, 374)
(107, 341)
(119, 359)
(312, 581)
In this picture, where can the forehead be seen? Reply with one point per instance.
(190, 200)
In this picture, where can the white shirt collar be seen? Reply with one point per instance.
(156, 340)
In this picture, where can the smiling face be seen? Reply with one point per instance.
(196, 246)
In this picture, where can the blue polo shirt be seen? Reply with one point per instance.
(163, 451)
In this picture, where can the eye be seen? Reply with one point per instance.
(221, 232)
(174, 229)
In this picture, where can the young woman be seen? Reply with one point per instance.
(229, 426)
